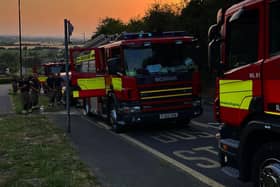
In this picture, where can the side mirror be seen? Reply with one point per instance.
(237, 15)
(214, 48)
(213, 32)
(220, 16)
(214, 55)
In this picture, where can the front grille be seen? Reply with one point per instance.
(166, 93)
(166, 97)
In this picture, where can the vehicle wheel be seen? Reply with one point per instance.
(266, 166)
(113, 117)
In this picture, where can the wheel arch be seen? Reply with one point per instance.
(255, 134)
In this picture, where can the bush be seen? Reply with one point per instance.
(5, 80)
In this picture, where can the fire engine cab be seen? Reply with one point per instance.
(44, 70)
(140, 78)
(49, 68)
(244, 50)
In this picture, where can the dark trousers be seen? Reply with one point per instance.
(25, 100)
(58, 95)
(52, 95)
(34, 98)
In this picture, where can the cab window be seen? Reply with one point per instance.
(242, 38)
(274, 28)
(114, 65)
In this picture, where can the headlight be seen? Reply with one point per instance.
(127, 109)
(135, 109)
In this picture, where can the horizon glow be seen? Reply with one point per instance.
(45, 18)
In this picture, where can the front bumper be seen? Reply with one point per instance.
(159, 116)
(228, 143)
(228, 149)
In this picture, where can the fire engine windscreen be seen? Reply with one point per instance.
(160, 59)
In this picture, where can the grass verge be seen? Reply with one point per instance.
(5, 79)
(35, 153)
(43, 101)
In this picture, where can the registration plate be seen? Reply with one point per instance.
(168, 115)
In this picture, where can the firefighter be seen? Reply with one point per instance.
(51, 89)
(24, 87)
(35, 87)
(58, 81)
(15, 84)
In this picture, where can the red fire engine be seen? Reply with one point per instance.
(245, 51)
(51, 67)
(45, 69)
(141, 78)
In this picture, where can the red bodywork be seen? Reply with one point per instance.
(130, 90)
(264, 73)
(75, 74)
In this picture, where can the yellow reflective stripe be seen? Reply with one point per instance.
(235, 86)
(42, 78)
(165, 96)
(166, 90)
(246, 103)
(236, 93)
(117, 84)
(272, 113)
(75, 94)
(91, 83)
(85, 58)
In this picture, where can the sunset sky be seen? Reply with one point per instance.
(45, 17)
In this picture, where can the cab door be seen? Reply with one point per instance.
(243, 57)
(87, 77)
(271, 66)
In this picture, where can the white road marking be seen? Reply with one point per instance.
(208, 149)
(182, 135)
(206, 163)
(97, 123)
(164, 157)
(174, 162)
(104, 125)
(203, 124)
(164, 138)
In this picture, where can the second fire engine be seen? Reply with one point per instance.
(141, 78)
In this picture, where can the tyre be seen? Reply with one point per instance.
(113, 118)
(266, 166)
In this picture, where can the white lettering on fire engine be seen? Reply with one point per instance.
(254, 75)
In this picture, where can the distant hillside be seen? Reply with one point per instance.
(11, 40)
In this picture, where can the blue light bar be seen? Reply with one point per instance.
(128, 36)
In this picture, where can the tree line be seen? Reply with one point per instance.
(194, 17)
(9, 58)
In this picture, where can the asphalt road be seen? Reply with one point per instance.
(5, 104)
(161, 155)
(118, 162)
(193, 147)
(135, 155)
